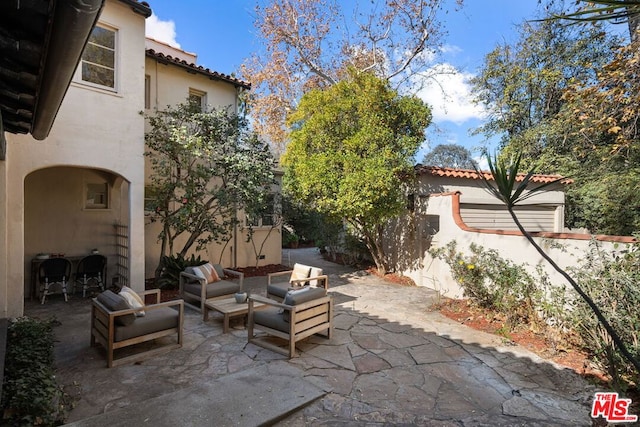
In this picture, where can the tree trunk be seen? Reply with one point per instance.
(377, 252)
(603, 321)
(163, 252)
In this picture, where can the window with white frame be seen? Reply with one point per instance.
(198, 99)
(98, 64)
(150, 200)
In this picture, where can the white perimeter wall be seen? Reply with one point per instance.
(435, 273)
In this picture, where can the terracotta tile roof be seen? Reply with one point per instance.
(168, 59)
(472, 174)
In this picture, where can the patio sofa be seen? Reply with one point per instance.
(116, 325)
(209, 281)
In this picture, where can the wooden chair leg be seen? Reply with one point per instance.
(292, 347)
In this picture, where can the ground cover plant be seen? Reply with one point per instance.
(30, 394)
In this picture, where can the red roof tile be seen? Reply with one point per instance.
(472, 174)
(168, 59)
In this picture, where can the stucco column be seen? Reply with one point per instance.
(558, 226)
(12, 264)
(136, 234)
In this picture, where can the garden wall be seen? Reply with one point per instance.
(436, 221)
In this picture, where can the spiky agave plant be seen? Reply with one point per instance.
(511, 192)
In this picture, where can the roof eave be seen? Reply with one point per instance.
(142, 8)
(192, 68)
(474, 175)
(72, 24)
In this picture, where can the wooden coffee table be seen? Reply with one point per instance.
(229, 308)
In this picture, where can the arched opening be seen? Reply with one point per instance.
(70, 212)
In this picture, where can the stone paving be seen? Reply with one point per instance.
(392, 361)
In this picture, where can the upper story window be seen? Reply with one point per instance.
(99, 58)
(198, 99)
(266, 215)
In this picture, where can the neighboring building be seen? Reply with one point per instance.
(172, 77)
(480, 209)
(83, 187)
(448, 205)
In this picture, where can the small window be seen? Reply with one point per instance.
(264, 216)
(99, 58)
(147, 92)
(150, 200)
(198, 99)
(97, 196)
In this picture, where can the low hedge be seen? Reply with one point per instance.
(30, 394)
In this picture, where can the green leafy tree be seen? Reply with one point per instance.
(567, 97)
(510, 190)
(449, 156)
(522, 85)
(350, 144)
(205, 166)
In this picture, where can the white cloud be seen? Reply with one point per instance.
(482, 163)
(164, 31)
(448, 92)
(451, 49)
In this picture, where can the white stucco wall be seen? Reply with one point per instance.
(94, 129)
(170, 85)
(435, 273)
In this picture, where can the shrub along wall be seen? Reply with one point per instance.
(3, 349)
(612, 281)
(30, 394)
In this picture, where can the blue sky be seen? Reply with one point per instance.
(221, 33)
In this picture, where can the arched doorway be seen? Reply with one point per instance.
(72, 211)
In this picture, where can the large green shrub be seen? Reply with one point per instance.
(172, 266)
(30, 394)
(494, 282)
(613, 282)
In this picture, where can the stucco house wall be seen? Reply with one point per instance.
(97, 134)
(170, 83)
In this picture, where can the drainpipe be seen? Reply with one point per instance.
(72, 24)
